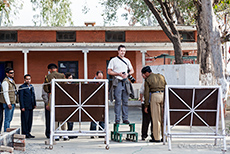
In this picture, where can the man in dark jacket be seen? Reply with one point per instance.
(27, 104)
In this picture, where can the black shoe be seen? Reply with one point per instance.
(56, 139)
(92, 137)
(126, 122)
(117, 122)
(27, 136)
(153, 140)
(101, 136)
(66, 139)
(143, 138)
(72, 137)
(31, 136)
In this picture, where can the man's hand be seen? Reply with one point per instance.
(146, 110)
(23, 109)
(10, 106)
(35, 107)
(123, 75)
(47, 107)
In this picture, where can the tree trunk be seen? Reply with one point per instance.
(209, 47)
(177, 50)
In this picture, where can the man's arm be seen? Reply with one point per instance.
(146, 94)
(5, 88)
(21, 100)
(131, 71)
(111, 72)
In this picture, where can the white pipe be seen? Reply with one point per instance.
(85, 51)
(143, 57)
(25, 51)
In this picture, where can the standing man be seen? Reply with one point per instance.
(1, 111)
(47, 87)
(27, 104)
(93, 125)
(8, 97)
(154, 84)
(120, 67)
(45, 98)
(146, 117)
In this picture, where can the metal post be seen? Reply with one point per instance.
(106, 116)
(85, 51)
(143, 57)
(52, 110)
(25, 51)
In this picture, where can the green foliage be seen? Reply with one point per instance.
(9, 11)
(52, 12)
(136, 11)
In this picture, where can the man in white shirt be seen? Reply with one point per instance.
(120, 67)
(8, 97)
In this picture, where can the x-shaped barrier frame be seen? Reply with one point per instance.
(80, 107)
(193, 111)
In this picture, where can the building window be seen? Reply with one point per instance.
(64, 36)
(69, 66)
(8, 36)
(187, 36)
(114, 36)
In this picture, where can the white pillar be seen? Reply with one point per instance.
(85, 51)
(143, 57)
(25, 51)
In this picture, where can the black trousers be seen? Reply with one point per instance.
(70, 125)
(146, 119)
(1, 116)
(26, 121)
(47, 120)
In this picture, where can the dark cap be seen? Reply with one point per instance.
(146, 69)
(51, 66)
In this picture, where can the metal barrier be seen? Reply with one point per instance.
(77, 103)
(194, 106)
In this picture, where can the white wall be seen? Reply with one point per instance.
(184, 74)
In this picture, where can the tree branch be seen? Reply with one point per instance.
(167, 17)
(159, 19)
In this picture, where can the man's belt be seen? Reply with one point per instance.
(158, 91)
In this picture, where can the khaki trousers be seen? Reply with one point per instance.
(156, 106)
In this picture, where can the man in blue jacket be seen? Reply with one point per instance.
(27, 104)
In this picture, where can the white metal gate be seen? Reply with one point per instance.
(80, 105)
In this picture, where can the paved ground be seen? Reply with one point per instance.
(84, 144)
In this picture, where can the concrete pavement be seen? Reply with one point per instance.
(84, 144)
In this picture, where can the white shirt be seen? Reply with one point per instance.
(119, 66)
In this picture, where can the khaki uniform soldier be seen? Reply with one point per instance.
(52, 68)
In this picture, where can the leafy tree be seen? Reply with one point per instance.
(52, 12)
(9, 10)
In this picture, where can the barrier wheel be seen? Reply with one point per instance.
(107, 147)
(50, 147)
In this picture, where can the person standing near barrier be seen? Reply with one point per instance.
(68, 75)
(120, 68)
(146, 117)
(154, 84)
(1, 111)
(93, 125)
(8, 96)
(47, 87)
(45, 98)
(27, 104)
